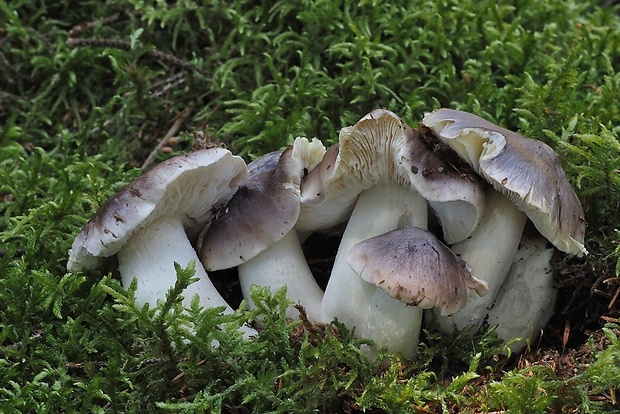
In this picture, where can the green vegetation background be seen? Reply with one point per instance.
(88, 89)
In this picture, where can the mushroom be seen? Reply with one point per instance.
(146, 224)
(414, 267)
(380, 149)
(317, 211)
(527, 171)
(256, 232)
(383, 172)
(525, 301)
(528, 180)
(489, 251)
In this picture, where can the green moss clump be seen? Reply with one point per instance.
(87, 92)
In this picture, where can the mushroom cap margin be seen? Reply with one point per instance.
(513, 164)
(191, 186)
(264, 209)
(413, 266)
(381, 148)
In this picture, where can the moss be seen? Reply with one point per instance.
(88, 92)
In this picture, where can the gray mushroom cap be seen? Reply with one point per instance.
(261, 212)
(527, 171)
(189, 187)
(264, 163)
(264, 209)
(413, 266)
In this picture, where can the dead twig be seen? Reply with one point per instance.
(37, 336)
(125, 45)
(82, 365)
(203, 138)
(176, 125)
(79, 28)
(161, 87)
(614, 299)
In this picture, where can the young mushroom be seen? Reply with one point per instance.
(318, 211)
(412, 266)
(528, 180)
(489, 251)
(526, 299)
(385, 174)
(256, 231)
(146, 224)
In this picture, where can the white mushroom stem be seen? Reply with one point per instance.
(149, 257)
(379, 209)
(284, 264)
(489, 252)
(390, 322)
(393, 324)
(526, 300)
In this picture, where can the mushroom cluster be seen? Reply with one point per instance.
(434, 218)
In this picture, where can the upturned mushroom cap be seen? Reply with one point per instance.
(413, 266)
(264, 209)
(527, 171)
(190, 187)
(381, 149)
(314, 184)
(323, 206)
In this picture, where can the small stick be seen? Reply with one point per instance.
(602, 293)
(182, 374)
(566, 335)
(125, 45)
(79, 28)
(81, 365)
(161, 87)
(610, 319)
(178, 121)
(17, 345)
(613, 300)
